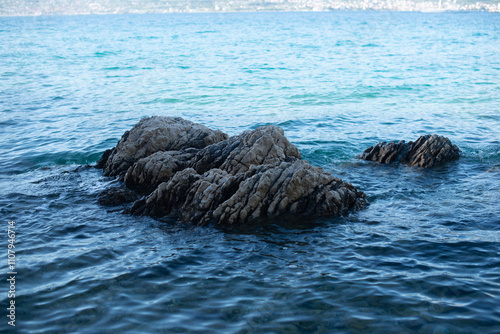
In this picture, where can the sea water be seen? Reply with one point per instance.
(424, 256)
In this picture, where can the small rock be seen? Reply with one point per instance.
(116, 196)
(425, 152)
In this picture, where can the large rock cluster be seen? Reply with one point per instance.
(199, 175)
(425, 152)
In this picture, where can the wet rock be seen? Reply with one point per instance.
(102, 161)
(264, 145)
(116, 196)
(262, 192)
(428, 151)
(425, 152)
(155, 134)
(149, 172)
(256, 175)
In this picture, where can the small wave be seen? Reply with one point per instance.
(8, 74)
(118, 68)
(346, 42)
(139, 38)
(104, 54)
(9, 122)
(163, 101)
(34, 161)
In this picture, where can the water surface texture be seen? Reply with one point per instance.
(423, 257)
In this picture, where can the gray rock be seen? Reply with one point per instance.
(149, 172)
(262, 192)
(425, 152)
(155, 134)
(226, 181)
(262, 146)
(102, 161)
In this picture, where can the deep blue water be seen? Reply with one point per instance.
(423, 257)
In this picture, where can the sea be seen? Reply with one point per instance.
(422, 257)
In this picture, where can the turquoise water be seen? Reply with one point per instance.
(423, 257)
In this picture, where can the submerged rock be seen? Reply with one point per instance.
(116, 196)
(227, 181)
(425, 152)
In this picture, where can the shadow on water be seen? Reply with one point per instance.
(281, 225)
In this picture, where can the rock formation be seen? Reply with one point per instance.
(264, 145)
(264, 191)
(425, 152)
(199, 175)
(154, 134)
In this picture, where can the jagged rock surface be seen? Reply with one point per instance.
(154, 134)
(264, 191)
(149, 172)
(262, 146)
(117, 196)
(425, 152)
(256, 175)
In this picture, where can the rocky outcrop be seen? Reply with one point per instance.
(262, 146)
(425, 152)
(154, 134)
(262, 192)
(227, 181)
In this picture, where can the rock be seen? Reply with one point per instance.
(117, 196)
(428, 151)
(264, 145)
(149, 172)
(256, 175)
(102, 161)
(425, 152)
(262, 192)
(154, 134)
(386, 152)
